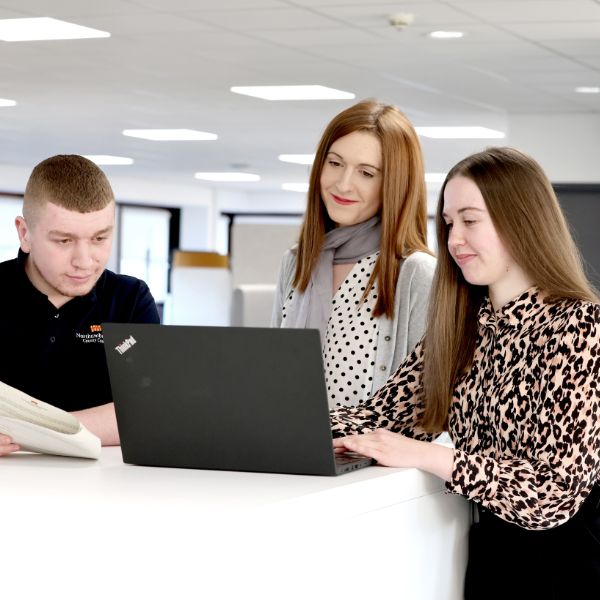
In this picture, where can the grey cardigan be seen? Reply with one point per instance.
(398, 336)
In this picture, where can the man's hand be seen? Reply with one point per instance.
(6, 445)
(102, 422)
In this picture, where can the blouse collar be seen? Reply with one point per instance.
(515, 312)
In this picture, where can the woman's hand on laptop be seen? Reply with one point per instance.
(6, 445)
(396, 450)
(387, 448)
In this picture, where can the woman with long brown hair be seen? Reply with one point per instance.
(361, 272)
(510, 366)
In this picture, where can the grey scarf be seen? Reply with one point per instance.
(342, 245)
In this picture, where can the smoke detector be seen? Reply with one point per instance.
(400, 20)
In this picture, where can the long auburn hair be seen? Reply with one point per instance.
(528, 218)
(403, 197)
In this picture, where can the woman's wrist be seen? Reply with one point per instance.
(435, 459)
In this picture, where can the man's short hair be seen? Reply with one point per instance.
(70, 181)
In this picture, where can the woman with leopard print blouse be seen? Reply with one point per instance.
(510, 366)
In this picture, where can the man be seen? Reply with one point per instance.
(57, 292)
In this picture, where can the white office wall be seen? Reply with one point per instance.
(566, 146)
(278, 201)
(195, 229)
(257, 248)
(9, 240)
(174, 193)
(203, 228)
(199, 296)
(13, 179)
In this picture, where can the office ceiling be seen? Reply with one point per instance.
(170, 64)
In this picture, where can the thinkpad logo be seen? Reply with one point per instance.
(125, 345)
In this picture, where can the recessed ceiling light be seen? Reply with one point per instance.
(107, 159)
(293, 92)
(225, 176)
(299, 159)
(446, 35)
(295, 187)
(587, 89)
(459, 133)
(169, 135)
(7, 102)
(45, 28)
(435, 177)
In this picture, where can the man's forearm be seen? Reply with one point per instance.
(101, 421)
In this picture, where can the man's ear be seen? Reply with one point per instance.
(23, 232)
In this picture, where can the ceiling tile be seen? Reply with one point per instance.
(541, 32)
(281, 19)
(426, 14)
(223, 5)
(313, 38)
(147, 23)
(532, 11)
(170, 63)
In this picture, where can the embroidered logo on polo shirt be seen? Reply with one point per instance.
(125, 345)
(90, 338)
(95, 337)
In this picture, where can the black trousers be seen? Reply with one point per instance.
(511, 563)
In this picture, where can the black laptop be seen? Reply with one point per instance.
(233, 398)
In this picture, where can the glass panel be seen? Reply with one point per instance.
(145, 247)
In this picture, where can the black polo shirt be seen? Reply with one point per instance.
(57, 355)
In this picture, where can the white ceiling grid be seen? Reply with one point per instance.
(170, 63)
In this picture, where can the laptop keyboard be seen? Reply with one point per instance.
(348, 458)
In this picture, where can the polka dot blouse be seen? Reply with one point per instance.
(351, 337)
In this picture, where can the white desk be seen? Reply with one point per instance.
(100, 529)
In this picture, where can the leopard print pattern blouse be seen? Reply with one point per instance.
(525, 419)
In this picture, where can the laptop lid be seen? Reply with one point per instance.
(234, 398)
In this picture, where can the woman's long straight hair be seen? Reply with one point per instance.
(529, 221)
(403, 197)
